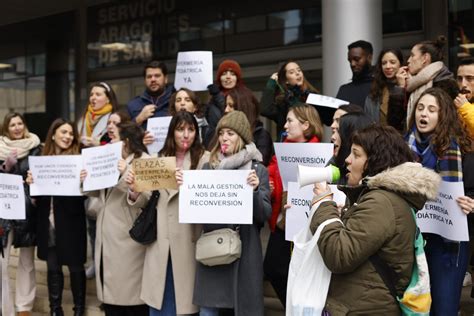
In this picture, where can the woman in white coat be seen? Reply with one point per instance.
(118, 257)
(170, 265)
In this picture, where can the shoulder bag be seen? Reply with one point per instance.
(144, 228)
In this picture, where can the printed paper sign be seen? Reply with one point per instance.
(444, 216)
(215, 197)
(56, 175)
(324, 100)
(297, 216)
(290, 155)
(158, 127)
(101, 164)
(12, 197)
(193, 70)
(155, 173)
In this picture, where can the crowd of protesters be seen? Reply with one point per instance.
(407, 125)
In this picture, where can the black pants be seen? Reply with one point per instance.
(277, 262)
(119, 310)
(54, 266)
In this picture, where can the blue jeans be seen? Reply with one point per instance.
(209, 311)
(447, 263)
(168, 308)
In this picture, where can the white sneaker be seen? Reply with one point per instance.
(90, 272)
(467, 279)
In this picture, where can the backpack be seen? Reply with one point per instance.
(416, 299)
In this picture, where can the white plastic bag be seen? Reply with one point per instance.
(308, 276)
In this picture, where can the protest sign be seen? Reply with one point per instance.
(155, 173)
(216, 197)
(12, 197)
(324, 100)
(193, 70)
(443, 216)
(290, 155)
(101, 164)
(56, 175)
(158, 127)
(300, 201)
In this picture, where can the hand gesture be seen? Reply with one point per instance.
(11, 160)
(402, 76)
(147, 112)
(460, 100)
(83, 175)
(466, 204)
(253, 180)
(29, 177)
(148, 138)
(122, 165)
(179, 176)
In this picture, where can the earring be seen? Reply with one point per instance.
(52, 138)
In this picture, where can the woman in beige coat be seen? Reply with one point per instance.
(170, 265)
(119, 258)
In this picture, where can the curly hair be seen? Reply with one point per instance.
(449, 125)
(380, 81)
(384, 146)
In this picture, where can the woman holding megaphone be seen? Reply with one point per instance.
(303, 125)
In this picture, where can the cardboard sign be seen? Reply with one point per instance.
(155, 173)
(56, 175)
(158, 127)
(193, 70)
(216, 197)
(12, 197)
(444, 216)
(324, 100)
(290, 155)
(101, 164)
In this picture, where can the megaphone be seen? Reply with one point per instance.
(308, 175)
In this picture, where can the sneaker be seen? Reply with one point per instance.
(90, 272)
(467, 279)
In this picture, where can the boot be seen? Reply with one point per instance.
(55, 292)
(78, 288)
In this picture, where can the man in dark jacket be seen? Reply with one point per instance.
(154, 101)
(360, 60)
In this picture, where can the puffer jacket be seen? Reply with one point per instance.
(378, 220)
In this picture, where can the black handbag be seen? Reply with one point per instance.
(144, 228)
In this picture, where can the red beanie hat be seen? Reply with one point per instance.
(229, 64)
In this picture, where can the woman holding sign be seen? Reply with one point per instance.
(302, 126)
(16, 145)
(170, 264)
(61, 226)
(119, 258)
(439, 142)
(237, 285)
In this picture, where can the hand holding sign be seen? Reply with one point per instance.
(155, 173)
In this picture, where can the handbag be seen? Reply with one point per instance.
(218, 247)
(144, 227)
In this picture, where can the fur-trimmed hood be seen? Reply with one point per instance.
(410, 180)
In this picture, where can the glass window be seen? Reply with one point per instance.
(461, 30)
(12, 94)
(251, 24)
(401, 16)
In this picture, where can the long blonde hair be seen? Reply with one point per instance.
(214, 158)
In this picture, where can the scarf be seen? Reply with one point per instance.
(421, 82)
(449, 166)
(22, 146)
(238, 160)
(92, 117)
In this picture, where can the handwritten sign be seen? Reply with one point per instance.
(12, 197)
(444, 216)
(155, 173)
(216, 197)
(56, 175)
(193, 70)
(101, 164)
(290, 155)
(158, 127)
(324, 100)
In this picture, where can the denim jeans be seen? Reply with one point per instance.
(168, 308)
(447, 263)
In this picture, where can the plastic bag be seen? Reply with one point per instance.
(308, 276)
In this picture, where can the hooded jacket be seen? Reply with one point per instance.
(378, 220)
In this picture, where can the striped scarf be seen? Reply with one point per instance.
(449, 166)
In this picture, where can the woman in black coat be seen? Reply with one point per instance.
(61, 226)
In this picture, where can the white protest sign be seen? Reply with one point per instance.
(101, 164)
(158, 127)
(56, 175)
(193, 70)
(12, 197)
(290, 155)
(215, 197)
(324, 100)
(300, 201)
(444, 217)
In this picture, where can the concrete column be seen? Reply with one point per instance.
(346, 21)
(80, 88)
(57, 78)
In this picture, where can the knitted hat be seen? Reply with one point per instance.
(238, 122)
(229, 64)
